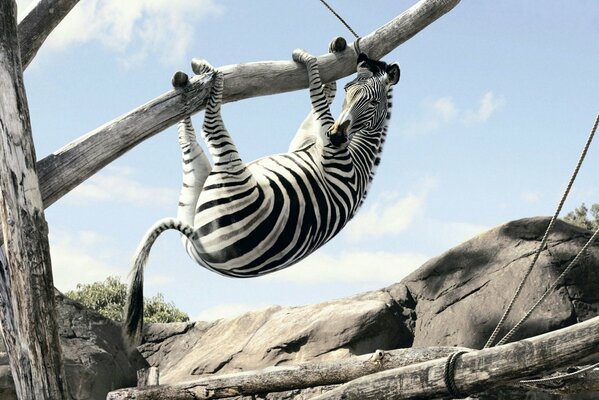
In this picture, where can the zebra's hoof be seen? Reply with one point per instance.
(180, 79)
(199, 66)
(337, 45)
(302, 56)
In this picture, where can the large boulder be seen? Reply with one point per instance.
(454, 299)
(96, 359)
(461, 294)
(277, 335)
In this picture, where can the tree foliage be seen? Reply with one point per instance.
(584, 217)
(108, 298)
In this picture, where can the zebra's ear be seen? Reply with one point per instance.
(393, 72)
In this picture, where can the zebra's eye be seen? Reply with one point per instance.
(375, 102)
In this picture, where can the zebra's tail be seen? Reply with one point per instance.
(134, 306)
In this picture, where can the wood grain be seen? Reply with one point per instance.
(40, 21)
(27, 305)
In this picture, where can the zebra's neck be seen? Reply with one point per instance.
(365, 149)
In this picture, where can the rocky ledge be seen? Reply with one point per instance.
(454, 299)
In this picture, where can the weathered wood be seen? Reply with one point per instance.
(285, 377)
(27, 309)
(148, 377)
(62, 171)
(40, 21)
(479, 370)
(583, 383)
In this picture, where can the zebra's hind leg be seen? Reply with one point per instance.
(218, 140)
(196, 166)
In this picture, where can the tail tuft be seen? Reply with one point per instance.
(134, 307)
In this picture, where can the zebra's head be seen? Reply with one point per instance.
(365, 105)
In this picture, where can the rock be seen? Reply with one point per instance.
(454, 299)
(461, 294)
(96, 361)
(277, 336)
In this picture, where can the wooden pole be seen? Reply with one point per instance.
(66, 168)
(277, 379)
(40, 21)
(27, 309)
(478, 371)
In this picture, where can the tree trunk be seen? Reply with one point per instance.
(27, 308)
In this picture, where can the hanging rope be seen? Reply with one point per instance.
(550, 289)
(545, 237)
(563, 376)
(340, 19)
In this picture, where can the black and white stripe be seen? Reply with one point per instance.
(246, 220)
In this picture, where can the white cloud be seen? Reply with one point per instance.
(377, 267)
(443, 110)
(531, 196)
(76, 258)
(488, 105)
(117, 185)
(135, 29)
(390, 214)
(226, 311)
(448, 234)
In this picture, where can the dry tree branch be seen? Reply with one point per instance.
(62, 171)
(37, 25)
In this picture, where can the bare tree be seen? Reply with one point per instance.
(27, 307)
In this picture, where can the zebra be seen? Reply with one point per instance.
(246, 220)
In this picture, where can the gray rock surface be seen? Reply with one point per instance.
(95, 358)
(453, 299)
(461, 294)
(276, 336)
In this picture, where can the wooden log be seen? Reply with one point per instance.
(283, 378)
(27, 305)
(148, 377)
(40, 21)
(583, 383)
(62, 171)
(478, 371)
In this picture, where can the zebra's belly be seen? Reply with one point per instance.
(276, 214)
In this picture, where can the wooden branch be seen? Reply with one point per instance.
(479, 370)
(278, 379)
(27, 306)
(586, 382)
(62, 171)
(37, 25)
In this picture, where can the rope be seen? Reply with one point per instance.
(563, 376)
(339, 18)
(545, 237)
(449, 374)
(551, 288)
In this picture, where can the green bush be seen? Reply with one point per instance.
(108, 298)
(580, 216)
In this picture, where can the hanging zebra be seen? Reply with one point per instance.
(246, 220)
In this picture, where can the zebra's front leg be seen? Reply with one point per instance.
(321, 112)
(311, 128)
(195, 164)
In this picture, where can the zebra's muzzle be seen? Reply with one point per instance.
(338, 133)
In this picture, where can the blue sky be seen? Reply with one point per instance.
(494, 104)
